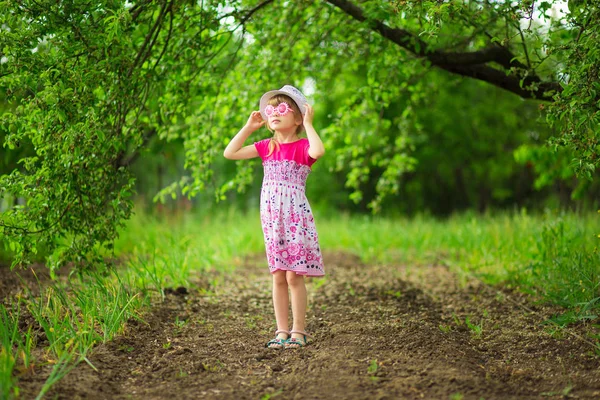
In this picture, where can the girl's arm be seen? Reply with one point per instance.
(316, 148)
(234, 150)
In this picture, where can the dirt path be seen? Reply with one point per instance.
(381, 332)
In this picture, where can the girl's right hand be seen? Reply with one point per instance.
(255, 121)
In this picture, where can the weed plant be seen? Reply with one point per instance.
(12, 342)
(77, 313)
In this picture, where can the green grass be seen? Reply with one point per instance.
(552, 256)
(74, 315)
(191, 242)
(12, 342)
(83, 311)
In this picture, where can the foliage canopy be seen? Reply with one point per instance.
(89, 86)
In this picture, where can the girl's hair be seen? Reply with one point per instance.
(275, 100)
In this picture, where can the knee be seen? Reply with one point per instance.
(279, 278)
(293, 279)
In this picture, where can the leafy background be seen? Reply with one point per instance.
(424, 106)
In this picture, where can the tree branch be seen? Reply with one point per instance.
(28, 232)
(127, 161)
(524, 82)
(164, 50)
(150, 39)
(252, 11)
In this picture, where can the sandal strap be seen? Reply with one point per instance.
(280, 342)
(298, 342)
(278, 331)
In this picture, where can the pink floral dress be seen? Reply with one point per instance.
(291, 239)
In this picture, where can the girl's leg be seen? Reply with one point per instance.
(298, 289)
(281, 301)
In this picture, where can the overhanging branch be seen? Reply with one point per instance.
(522, 80)
(255, 9)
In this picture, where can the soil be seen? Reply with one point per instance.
(12, 282)
(379, 332)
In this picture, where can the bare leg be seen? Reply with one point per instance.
(298, 290)
(281, 302)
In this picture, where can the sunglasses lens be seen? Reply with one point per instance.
(282, 109)
(269, 110)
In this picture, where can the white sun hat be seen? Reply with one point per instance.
(288, 90)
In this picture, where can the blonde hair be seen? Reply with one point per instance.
(274, 101)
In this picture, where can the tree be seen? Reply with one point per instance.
(90, 86)
(507, 44)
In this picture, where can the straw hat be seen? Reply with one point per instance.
(288, 90)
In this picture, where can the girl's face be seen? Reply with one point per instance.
(282, 116)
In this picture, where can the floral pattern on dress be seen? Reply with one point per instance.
(291, 239)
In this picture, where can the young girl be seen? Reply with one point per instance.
(291, 239)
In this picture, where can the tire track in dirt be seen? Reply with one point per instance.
(381, 332)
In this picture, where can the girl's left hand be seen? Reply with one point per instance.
(310, 113)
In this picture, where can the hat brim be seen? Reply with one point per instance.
(267, 96)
